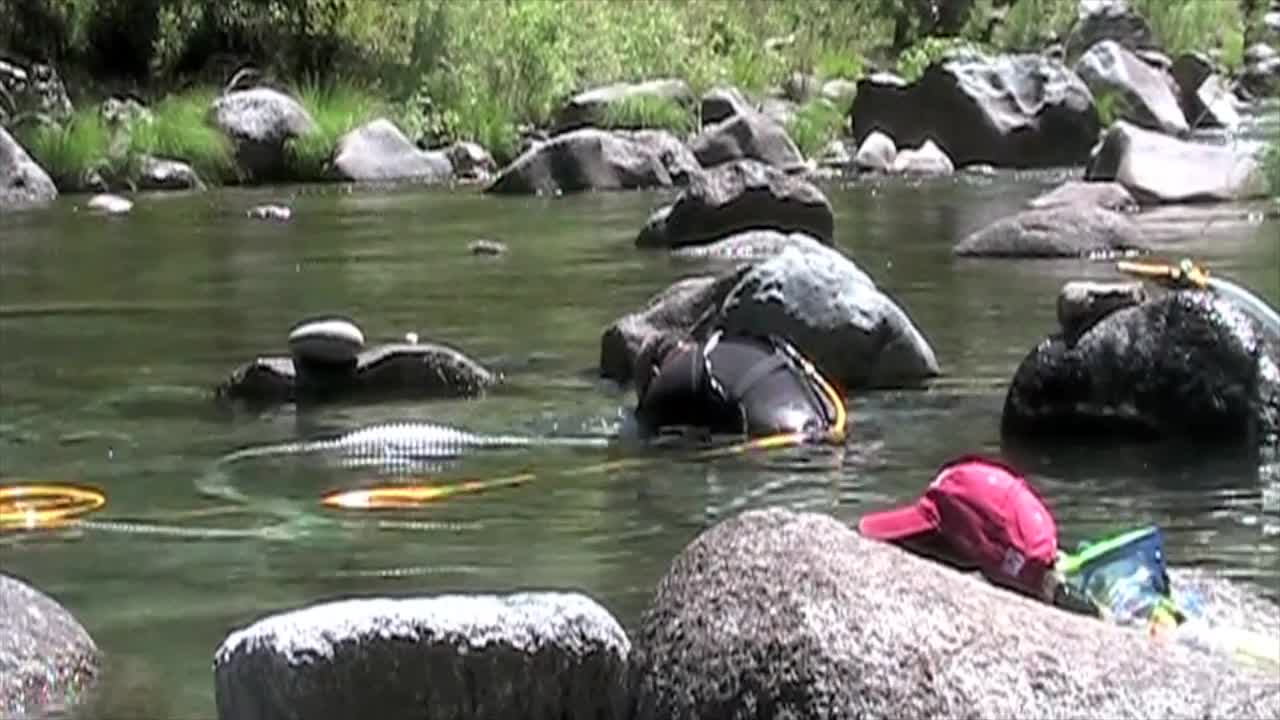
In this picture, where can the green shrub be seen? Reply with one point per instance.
(178, 130)
(815, 124)
(1197, 25)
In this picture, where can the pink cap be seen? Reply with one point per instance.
(987, 514)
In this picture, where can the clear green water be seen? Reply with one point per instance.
(154, 308)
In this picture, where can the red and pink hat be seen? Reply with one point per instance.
(987, 515)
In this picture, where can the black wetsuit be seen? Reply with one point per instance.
(736, 385)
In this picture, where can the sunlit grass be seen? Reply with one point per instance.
(336, 107)
(815, 124)
(179, 130)
(649, 112)
(68, 151)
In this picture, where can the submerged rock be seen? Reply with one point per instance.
(1186, 365)
(737, 196)
(1161, 169)
(558, 656)
(807, 293)
(1060, 231)
(1006, 111)
(23, 183)
(1100, 194)
(780, 614)
(261, 120)
(583, 160)
(378, 151)
(48, 662)
(1148, 100)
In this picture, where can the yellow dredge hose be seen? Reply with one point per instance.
(42, 505)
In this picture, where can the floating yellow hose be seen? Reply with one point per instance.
(33, 506)
(400, 497)
(1184, 273)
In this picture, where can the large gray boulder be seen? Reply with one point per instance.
(675, 155)
(1157, 168)
(809, 294)
(736, 196)
(583, 160)
(377, 151)
(794, 615)
(1205, 99)
(1007, 111)
(1098, 20)
(23, 183)
(558, 656)
(1145, 93)
(1184, 366)
(751, 135)
(592, 107)
(1062, 231)
(1101, 194)
(48, 662)
(261, 120)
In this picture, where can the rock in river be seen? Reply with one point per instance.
(1103, 194)
(23, 183)
(747, 134)
(1183, 366)
(583, 160)
(558, 656)
(1157, 168)
(776, 614)
(1062, 231)
(736, 196)
(808, 293)
(48, 662)
(378, 151)
(261, 120)
(1006, 111)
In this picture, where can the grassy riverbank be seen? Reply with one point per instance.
(479, 70)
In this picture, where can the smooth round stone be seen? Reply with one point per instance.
(109, 204)
(328, 340)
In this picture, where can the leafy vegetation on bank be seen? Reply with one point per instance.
(177, 130)
(815, 124)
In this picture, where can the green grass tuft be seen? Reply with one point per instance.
(179, 130)
(337, 108)
(649, 112)
(68, 151)
(815, 124)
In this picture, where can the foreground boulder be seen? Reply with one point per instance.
(793, 615)
(593, 106)
(1062, 231)
(47, 660)
(1157, 168)
(580, 161)
(1006, 111)
(558, 656)
(23, 183)
(737, 196)
(1185, 366)
(378, 151)
(1101, 194)
(808, 293)
(1147, 97)
(261, 120)
(751, 135)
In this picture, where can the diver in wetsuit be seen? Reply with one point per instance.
(734, 384)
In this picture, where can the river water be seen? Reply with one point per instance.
(114, 329)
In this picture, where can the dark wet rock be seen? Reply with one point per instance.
(737, 196)
(1061, 231)
(160, 174)
(1007, 111)
(591, 108)
(1183, 366)
(48, 662)
(33, 89)
(722, 103)
(780, 614)
(876, 153)
(277, 213)
(23, 183)
(1081, 304)
(808, 293)
(1101, 194)
(676, 157)
(108, 204)
(1261, 76)
(395, 370)
(1098, 20)
(1146, 96)
(546, 655)
(747, 135)
(378, 151)
(748, 246)
(260, 121)
(928, 159)
(486, 247)
(1157, 168)
(470, 161)
(583, 160)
